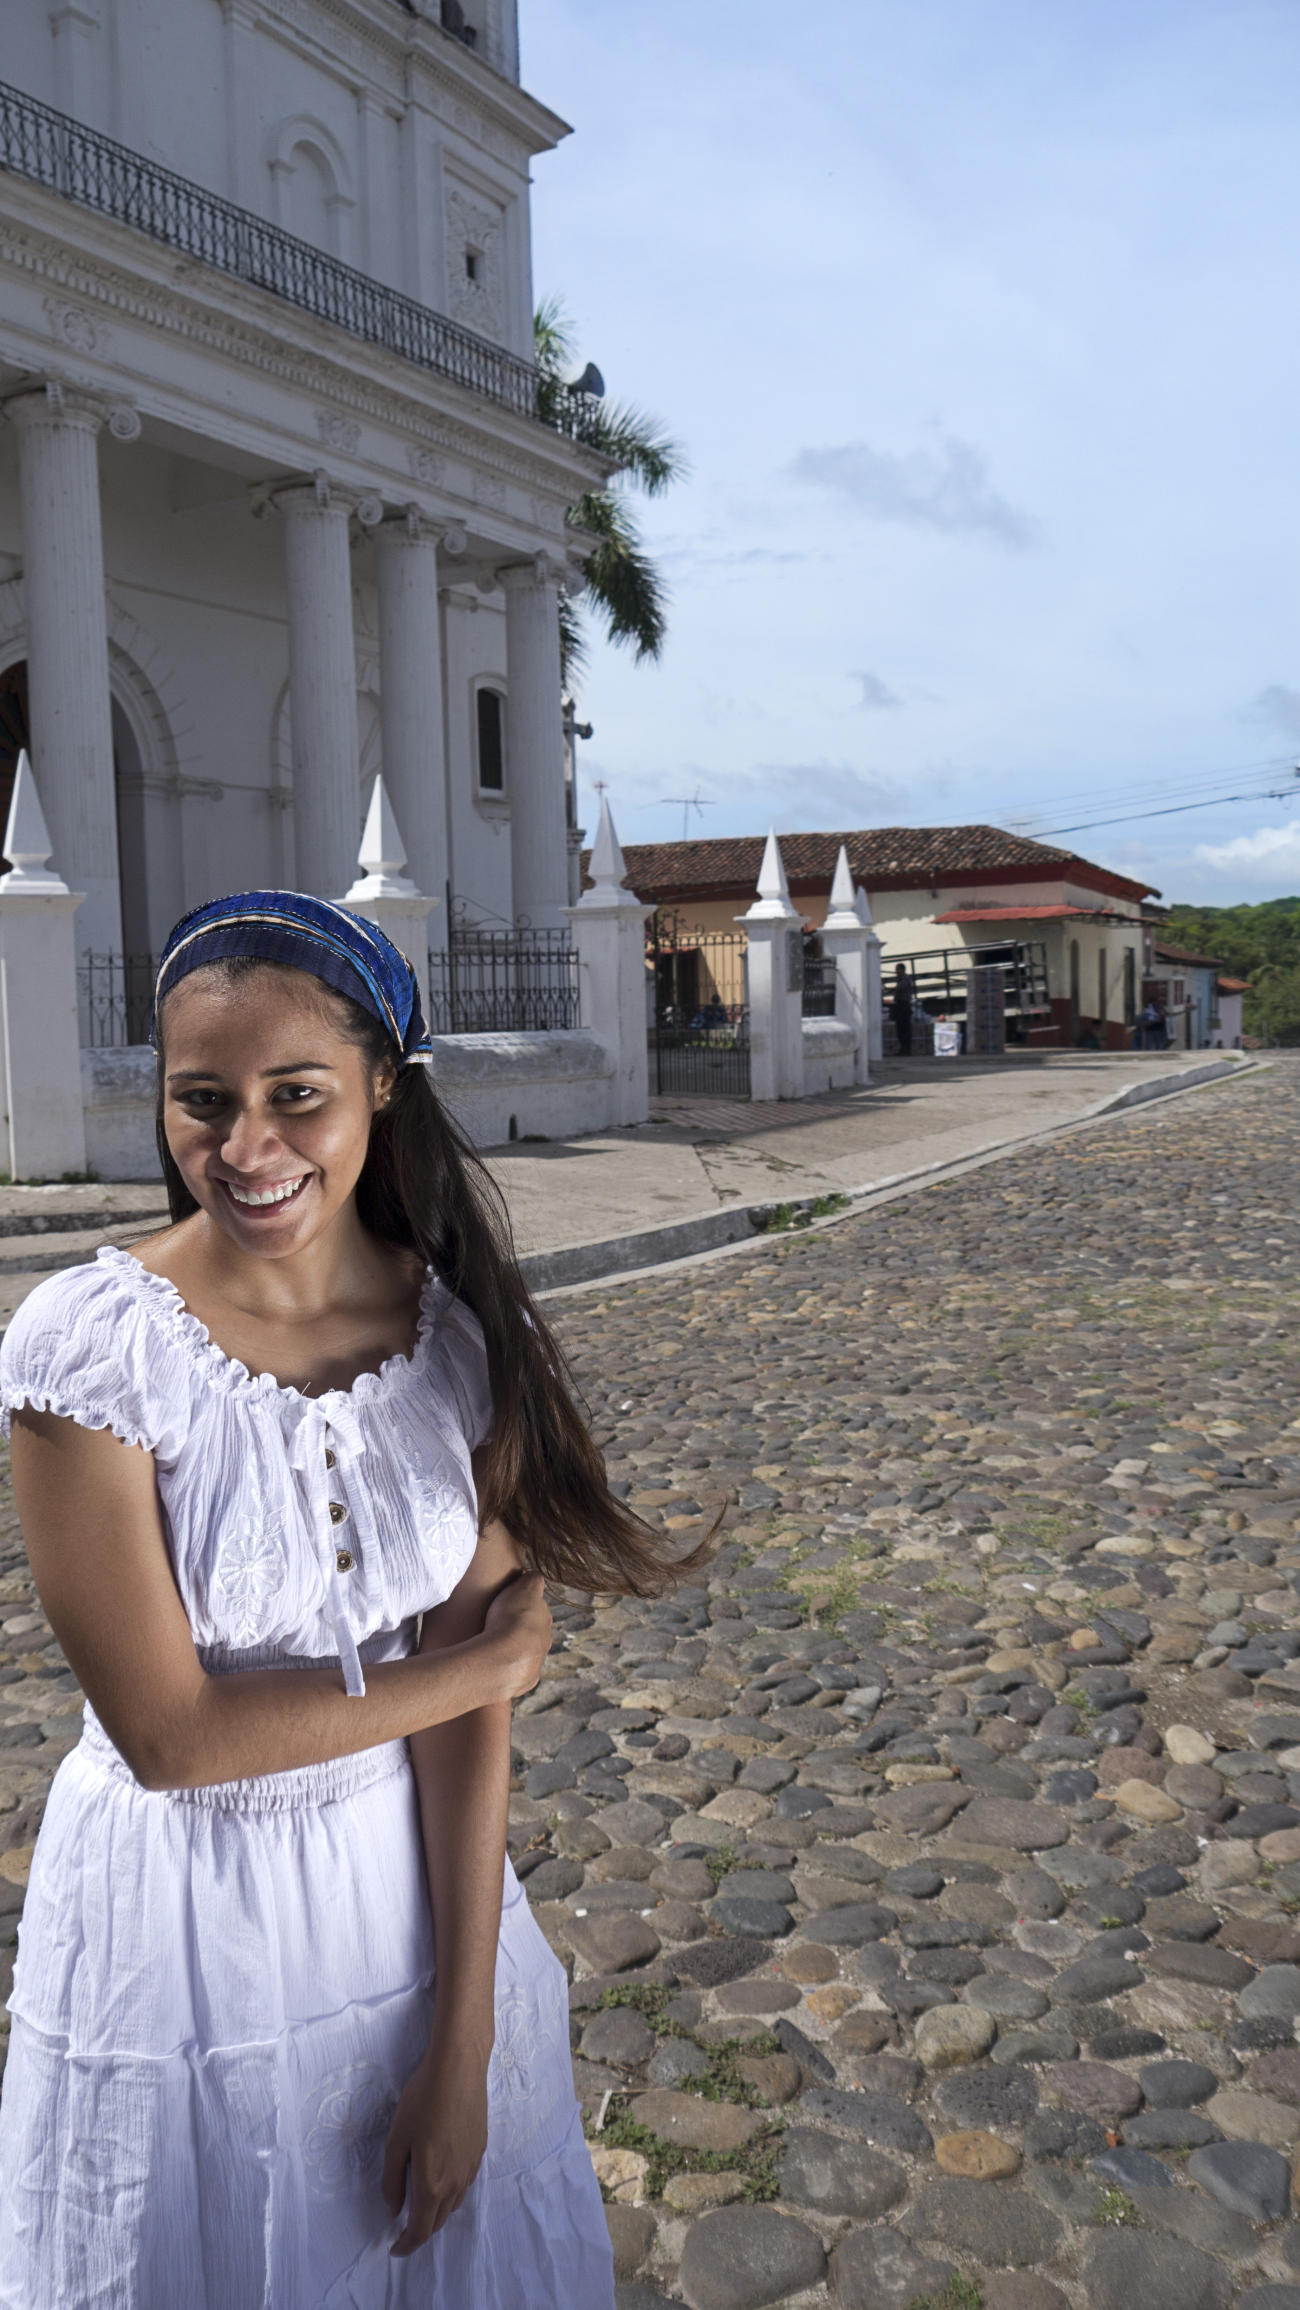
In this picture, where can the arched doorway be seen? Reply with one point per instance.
(15, 731)
(1074, 990)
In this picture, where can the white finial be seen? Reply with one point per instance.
(607, 866)
(27, 843)
(862, 907)
(842, 914)
(382, 854)
(773, 901)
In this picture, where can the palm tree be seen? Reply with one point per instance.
(622, 582)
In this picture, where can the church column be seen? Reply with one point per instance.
(67, 648)
(410, 692)
(535, 746)
(322, 686)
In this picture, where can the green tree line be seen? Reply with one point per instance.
(1259, 943)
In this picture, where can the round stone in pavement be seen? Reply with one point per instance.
(618, 2035)
(1181, 2084)
(836, 2177)
(879, 2269)
(1097, 2090)
(1133, 2169)
(1270, 2298)
(1278, 2074)
(551, 1880)
(795, 1804)
(755, 1885)
(1275, 1991)
(1245, 2176)
(1020, 2290)
(769, 1920)
(1123, 2266)
(634, 2294)
(998, 2226)
(950, 2034)
(1006, 1998)
(613, 1941)
(743, 2257)
(874, 2117)
(980, 2157)
(849, 1927)
(1128, 2044)
(677, 2058)
(916, 1881)
(1054, 2133)
(986, 2099)
(723, 1957)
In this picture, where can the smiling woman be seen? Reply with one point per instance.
(283, 2028)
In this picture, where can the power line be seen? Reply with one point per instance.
(1174, 810)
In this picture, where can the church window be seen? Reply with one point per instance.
(491, 742)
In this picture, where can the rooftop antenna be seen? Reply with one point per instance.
(686, 803)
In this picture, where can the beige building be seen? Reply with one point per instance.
(1069, 933)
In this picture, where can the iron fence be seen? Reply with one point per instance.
(506, 982)
(697, 1001)
(53, 150)
(818, 986)
(939, 976)
(114, 998)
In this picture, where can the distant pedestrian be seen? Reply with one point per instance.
(1152, 1030)
(900, 1010)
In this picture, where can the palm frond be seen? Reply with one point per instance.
(621, 580)
(573, 640)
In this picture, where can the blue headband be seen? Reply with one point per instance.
(284, 926)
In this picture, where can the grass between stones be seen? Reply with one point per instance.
(1116, 2211)
(754, 2166)
(959, 2294)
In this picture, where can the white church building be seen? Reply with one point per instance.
(277, 507)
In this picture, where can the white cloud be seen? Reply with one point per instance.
(947, 488)
(1272, 854)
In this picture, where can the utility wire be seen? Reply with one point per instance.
(1173, 810)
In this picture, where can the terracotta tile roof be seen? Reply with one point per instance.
(880, 857)
(1180, 954)
(1234, 986)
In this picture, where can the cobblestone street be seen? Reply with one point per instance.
(928, 1872)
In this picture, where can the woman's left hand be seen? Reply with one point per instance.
(437, 2139)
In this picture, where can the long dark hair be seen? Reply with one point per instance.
(425, 1188)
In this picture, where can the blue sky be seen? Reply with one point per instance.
(976, 320)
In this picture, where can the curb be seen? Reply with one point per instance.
(652, 1247)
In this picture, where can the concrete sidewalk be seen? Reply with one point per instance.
(698, 1157)
(697, 1175)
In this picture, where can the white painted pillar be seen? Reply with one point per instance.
(410, 691)
(535, 746)
(609, 934)
(385, 896)
(775, 960)
(875, 990)
(322, 685)
(43, 1133)
(844, 938)
(67, 645)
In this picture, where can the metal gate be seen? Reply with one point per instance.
(697, 999)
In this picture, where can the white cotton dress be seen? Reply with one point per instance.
(219, 1993)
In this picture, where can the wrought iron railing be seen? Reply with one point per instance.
(504, 982)
(114, 998)
(818, 986)
(51, 149)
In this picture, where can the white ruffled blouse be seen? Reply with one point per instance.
(301, 1528)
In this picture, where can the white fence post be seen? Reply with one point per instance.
(386, 896)
(609, 932)
(875, 991)
(775, 969)
(844, 937)
(44, 1132)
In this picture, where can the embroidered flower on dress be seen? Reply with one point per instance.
(345, 2125)
(524, 2035)
(442, 1511)
(250, 1573)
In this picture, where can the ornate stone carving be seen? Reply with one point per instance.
(337, 431)
(490, 490)
(425, 465)
(474, 263)
(74, 326)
